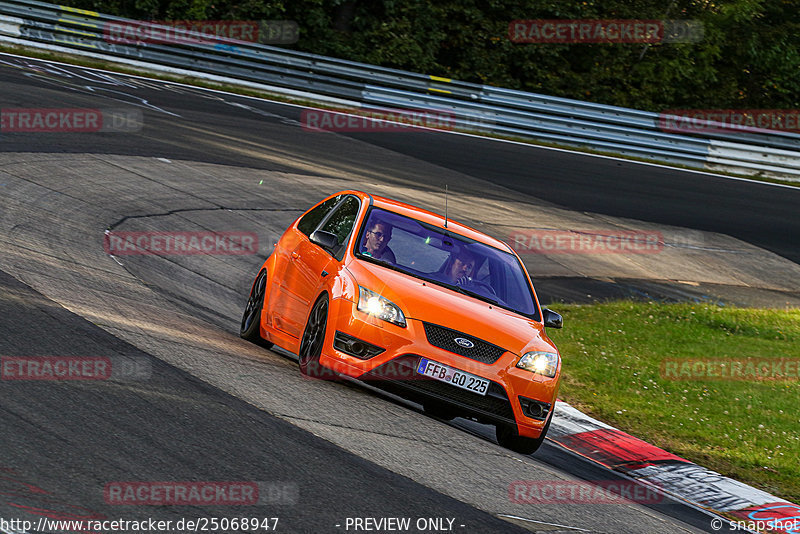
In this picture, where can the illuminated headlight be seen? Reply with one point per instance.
(540, 363)
(375, 305)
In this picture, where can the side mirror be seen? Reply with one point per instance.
(552, 319)
(326, 240)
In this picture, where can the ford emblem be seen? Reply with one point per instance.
(466, 343)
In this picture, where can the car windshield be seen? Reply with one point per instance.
(433, 254)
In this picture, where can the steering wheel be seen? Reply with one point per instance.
(479, 284)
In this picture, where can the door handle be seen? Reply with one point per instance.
(295, 256)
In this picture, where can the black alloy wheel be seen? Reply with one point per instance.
(250, 328)
(313, 338)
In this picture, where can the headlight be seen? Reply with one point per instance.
(382, 308)
(540, 363)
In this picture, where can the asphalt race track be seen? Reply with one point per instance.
(205, 405)
(171, 426)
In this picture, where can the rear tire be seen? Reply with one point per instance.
(250, 328)
(312, 341)
(508, 437)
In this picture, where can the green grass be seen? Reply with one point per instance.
(746, 429)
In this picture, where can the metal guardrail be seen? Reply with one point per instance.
(475, 107)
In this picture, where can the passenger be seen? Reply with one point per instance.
(376, 239)
(459, 267)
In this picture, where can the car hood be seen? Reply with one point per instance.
(426, 301)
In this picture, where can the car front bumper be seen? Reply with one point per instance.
(510, 392)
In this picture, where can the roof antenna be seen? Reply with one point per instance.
(445, 205)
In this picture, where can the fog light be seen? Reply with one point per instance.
(534, 409)
(355, 347)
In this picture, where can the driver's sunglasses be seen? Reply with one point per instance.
(381, 235)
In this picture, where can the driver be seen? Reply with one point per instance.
(376, 241)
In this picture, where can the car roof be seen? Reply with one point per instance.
(432, 218)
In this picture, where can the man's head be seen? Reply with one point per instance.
(462, 264)
(377, 237)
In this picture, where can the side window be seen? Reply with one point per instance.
(342, 220)
(311, 220)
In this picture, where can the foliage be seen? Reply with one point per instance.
(748, 58)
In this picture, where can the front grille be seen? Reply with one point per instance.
(399, 376)
(444, 338)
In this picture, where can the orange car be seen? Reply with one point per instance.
(416, 304)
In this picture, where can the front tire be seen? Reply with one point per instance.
(313, 339)
(508, 437)
(250, 328)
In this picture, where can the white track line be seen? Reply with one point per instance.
(529, 145)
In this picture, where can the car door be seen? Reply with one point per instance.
(311, 264)
(280, 304)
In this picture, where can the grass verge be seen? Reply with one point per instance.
(620, 361)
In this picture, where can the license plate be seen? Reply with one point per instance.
(452, 376)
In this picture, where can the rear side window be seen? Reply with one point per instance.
(309, 222)
(341, 222)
